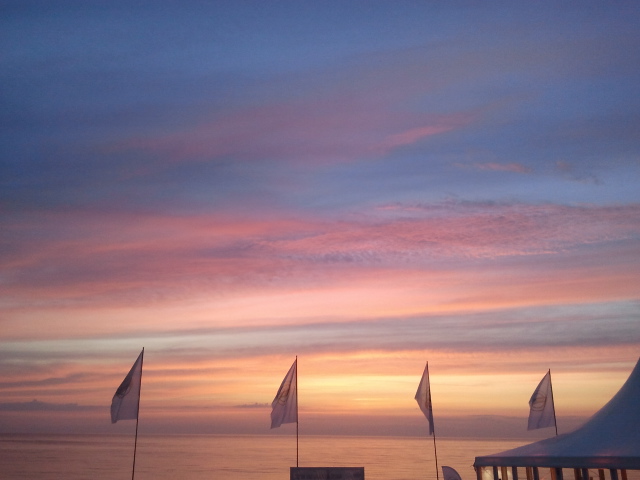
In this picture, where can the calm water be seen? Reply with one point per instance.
(200, 457)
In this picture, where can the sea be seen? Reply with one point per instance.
(238, 457)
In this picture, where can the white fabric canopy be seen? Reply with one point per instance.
(609, 439)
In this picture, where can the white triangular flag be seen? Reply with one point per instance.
(542, 412)
(423, 397)
(125, 402)
(285, 404)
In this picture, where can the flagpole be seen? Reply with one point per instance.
(433, 427)
(297, 416)
(553, 403)
(135, 444)
(435, 451)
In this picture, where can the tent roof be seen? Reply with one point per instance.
(609, 439)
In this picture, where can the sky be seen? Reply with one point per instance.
(366, 185)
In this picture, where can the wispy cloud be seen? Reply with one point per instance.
(37, 406)
(124, 256)
(44, 382)
(254, 405)
(568, 171)
(333, 130)
(499, 167)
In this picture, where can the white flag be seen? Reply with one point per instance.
(285, 405)
(423, 397)
(542, 413)
(124, 405)
(449, 473)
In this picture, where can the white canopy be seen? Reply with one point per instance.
(609, 439)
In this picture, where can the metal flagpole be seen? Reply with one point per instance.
(553, 403)
(435, 451)
(297, 424)
(135, 445)
(433, 427)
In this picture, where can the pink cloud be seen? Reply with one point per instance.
(388, 235)
(413, 135)
(327, 132)
(145, 260)
(341, 124)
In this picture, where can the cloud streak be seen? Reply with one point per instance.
(137, 250)
(37, 406)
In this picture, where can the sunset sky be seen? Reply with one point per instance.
(367, 185)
